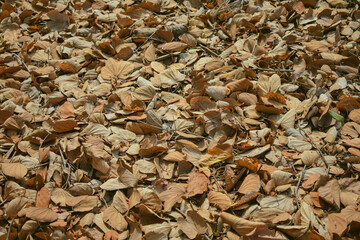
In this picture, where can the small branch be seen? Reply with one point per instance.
(301, 235)
(22, 61)
(9, 231)
(207, 237)
(298, 186)
(3, 202)
(272, 70)
(149, 38)
(151, 35)
(179, 211)
(39, 165)
(211, 51)
(167, 55)
(317, 148)
(67, 184)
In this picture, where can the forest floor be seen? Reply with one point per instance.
(163, 119)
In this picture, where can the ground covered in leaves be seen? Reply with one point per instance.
(163, 119)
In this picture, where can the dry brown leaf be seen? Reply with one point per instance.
(172, 195)
(41, 214)
(15, 206)
(82, 203)
(14, 123)
(115, 219)
(330, 193)
(150, 54)
(43, 198)
(115, 70)
(220, 200)
(250, 184)
(120, 202)
(240, 225)
(59, 196)
(61, 126)
(197, 183)
(187, 228)
(173, 46)
(66, 110)
(336, 224)
(217, 154)
(16, 170)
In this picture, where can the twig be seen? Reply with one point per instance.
(301, 235)
(44, 140)
(211, 51)
(102, 198)
(167, 55)
(3, 175)
(179, 211)
(67, 183)
(9, 231)
(39, 165)
(149, 38)
(3, 202)
(206, 236)
(317, 148)
(22, 61)
(298, 186)
(151, 35)
(272, 70)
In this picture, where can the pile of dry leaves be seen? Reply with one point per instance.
(164, 119)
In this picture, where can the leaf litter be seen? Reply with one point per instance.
(163, 119)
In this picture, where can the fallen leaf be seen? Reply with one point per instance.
(197, 184)
(41, 214)
(16, 170)
(217, 154)
(250, 184)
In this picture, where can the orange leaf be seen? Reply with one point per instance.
(266, 108)
(348, 104)
(64, 125)
(68, 68)
(166, 36)
(276, 97)
(125, 53)
(124, 22)
(249, 163)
